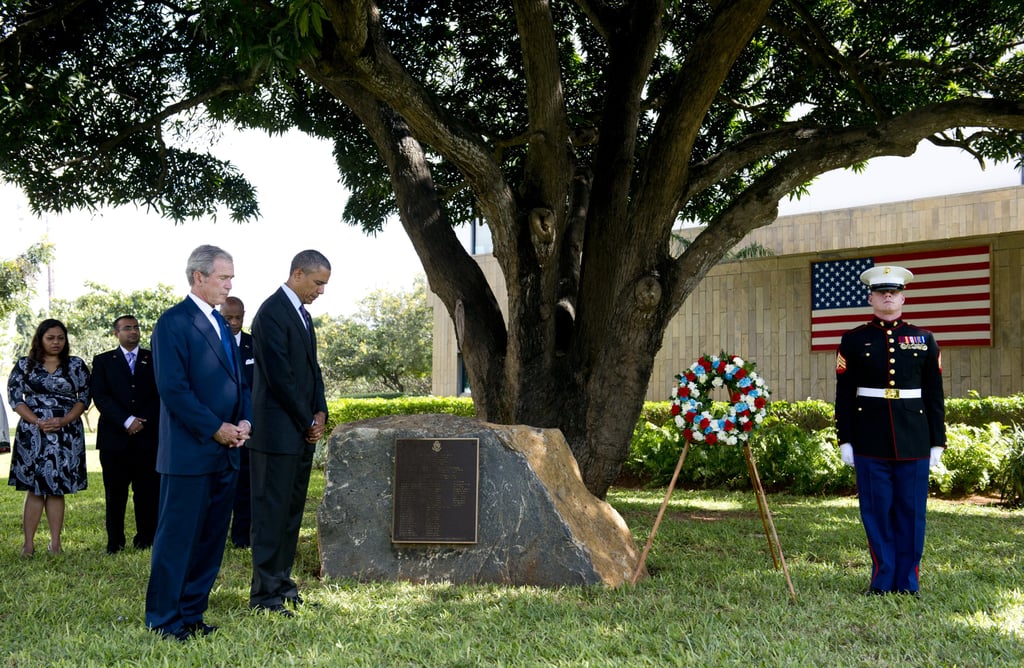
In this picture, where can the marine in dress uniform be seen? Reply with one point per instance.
(890, 420)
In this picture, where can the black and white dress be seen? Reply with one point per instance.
(49, 464)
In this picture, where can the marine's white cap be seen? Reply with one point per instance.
(886, 277)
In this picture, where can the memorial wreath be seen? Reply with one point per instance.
(692, 401)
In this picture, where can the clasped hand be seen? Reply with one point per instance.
(315, 431)
(49, 425)
(233, 435)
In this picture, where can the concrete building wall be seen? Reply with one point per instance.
(760, 309)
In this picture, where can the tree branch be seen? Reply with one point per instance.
(42, 19)
(154, 121)
(362, 55)
(705, 68)
(547, 160)
(821, 151)
(601, 15)
(452, 274)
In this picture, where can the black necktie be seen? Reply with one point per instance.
(309, 321)
(225, 339)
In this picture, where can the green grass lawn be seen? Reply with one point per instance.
(714, 598)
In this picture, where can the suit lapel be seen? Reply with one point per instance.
(296, 319)
(205, 327)
(143, 359)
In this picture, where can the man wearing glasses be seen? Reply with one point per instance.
(126, 436)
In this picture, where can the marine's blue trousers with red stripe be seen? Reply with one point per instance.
(893, 500)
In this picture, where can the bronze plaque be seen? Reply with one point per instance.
(436, 484)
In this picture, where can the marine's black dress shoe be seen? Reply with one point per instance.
(876, 592)
(200, 628)
(276, 608)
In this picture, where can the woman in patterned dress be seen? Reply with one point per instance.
(49, 390)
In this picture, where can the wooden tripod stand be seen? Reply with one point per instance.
(774, 547)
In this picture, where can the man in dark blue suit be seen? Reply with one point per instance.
(288, 394)
(233, 311)
(124, 391)
(205, 417)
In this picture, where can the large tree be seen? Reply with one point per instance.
(579, 132)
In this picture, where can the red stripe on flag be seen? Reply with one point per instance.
(931, 255)
(939, 269)
(944, 299)
(946, 313)
(948, 283)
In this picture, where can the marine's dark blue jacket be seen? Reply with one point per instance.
(895, 355)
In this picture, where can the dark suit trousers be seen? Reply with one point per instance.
(135, 468)
(279, 485)
(190, 539)
(241, 524)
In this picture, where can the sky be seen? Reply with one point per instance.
(301, 203)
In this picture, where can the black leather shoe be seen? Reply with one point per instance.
(276, 609)
(297, 600)
(875, 592)
(200, 629)
(182, 635)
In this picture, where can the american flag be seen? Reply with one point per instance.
(950, 296)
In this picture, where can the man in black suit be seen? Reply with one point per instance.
(124, 390)
(205, 418)
(291, 410)
(233, 311)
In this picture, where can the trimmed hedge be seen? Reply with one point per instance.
(979, 411)
(813, 414)
(795, 449)
(350, 410)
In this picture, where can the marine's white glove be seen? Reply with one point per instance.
(846, 453)
(936, 458)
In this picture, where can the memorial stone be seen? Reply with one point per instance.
(537, 522)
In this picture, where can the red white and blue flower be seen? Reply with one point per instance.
(692, 401)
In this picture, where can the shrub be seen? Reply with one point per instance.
(350, 410)
(790, 457)
(972, 456)
(715, 466)
(654, 452)
(981, 411)
(810, 415)
(1010, 477)
(795, 449)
